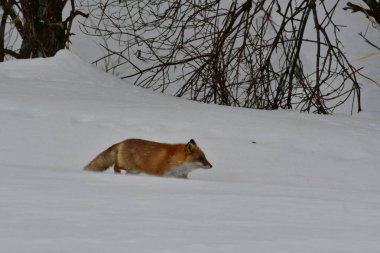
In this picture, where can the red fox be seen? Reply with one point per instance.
(160, 159)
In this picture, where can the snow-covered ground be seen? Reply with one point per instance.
(311, 183)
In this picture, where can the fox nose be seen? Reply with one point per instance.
(210, 166)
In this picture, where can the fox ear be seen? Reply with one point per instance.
(190, 146)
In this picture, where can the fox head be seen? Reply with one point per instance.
(195, 156)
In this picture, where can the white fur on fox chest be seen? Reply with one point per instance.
(183, 170)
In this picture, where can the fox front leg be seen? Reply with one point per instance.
(184, 176)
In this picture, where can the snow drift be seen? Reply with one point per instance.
(309, 183)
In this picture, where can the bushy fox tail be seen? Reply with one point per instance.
(104, 160)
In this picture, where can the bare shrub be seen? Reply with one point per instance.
(238, 53)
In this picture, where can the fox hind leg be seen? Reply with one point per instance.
(133, 171)
(117, 168)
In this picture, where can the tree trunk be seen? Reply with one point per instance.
(44, 31)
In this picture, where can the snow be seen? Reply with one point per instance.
(310, 183)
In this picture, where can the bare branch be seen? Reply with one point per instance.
(240, 53)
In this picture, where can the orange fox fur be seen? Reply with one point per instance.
(160, 159)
